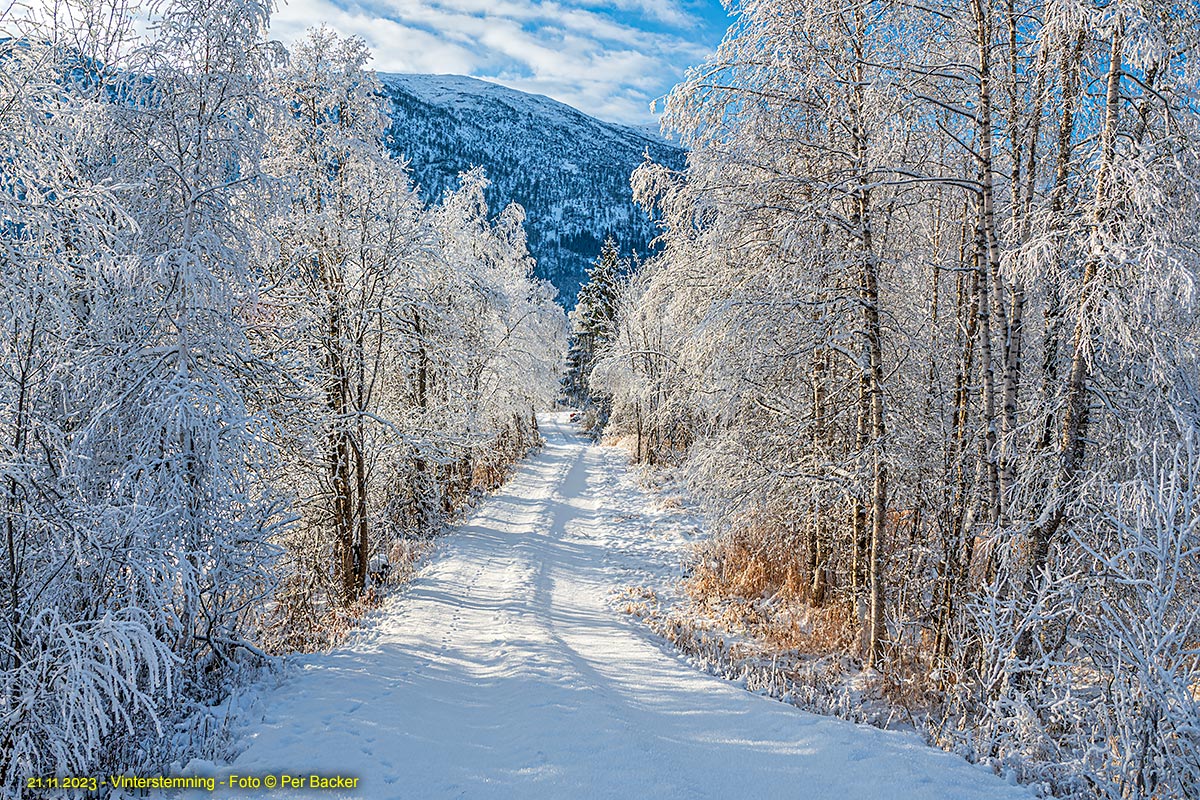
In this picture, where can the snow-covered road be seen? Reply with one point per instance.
(503, 671)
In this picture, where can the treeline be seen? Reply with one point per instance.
(241, 366)
(925, 336)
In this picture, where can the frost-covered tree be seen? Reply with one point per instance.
(61, 638)
(925, 300)
(338, 258)
(774, 235)
(498, 322)
(229, 328)
(191, 164)
(414, 341)
(136, 521)
(593, 325)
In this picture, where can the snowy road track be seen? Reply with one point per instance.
(504, 672)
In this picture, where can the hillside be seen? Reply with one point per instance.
(570, 171)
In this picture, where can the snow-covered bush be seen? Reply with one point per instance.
(1142, 643)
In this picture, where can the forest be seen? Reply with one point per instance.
(919, 335)
(244, 371)
(923, 339)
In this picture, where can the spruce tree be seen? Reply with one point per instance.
(593, 322)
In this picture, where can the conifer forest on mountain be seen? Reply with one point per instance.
(896, 420)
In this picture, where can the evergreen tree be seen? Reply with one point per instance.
(593, 324)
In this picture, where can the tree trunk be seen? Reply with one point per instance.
(1075, 420)
(988, 264)
(818, 547)
(871, 381)
(338, 403)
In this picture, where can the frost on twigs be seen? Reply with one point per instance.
(240, 359)
(923, 337)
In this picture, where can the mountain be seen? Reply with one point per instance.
(570, 171)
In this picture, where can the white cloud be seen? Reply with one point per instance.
(609, 58)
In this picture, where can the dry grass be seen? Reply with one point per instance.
(638, 601)
(745, 613)
(405, 556)
(766, 598)
(303, 623)
(306, 627)
(828, 684)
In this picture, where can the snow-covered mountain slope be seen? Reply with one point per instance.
(570, 171)
(504, 671)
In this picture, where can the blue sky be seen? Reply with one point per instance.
(608, 58)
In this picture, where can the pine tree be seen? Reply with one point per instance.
(593, 326)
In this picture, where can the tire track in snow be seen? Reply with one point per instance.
(502, 671)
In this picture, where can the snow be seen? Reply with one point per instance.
(504, 671)
(471, 95)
